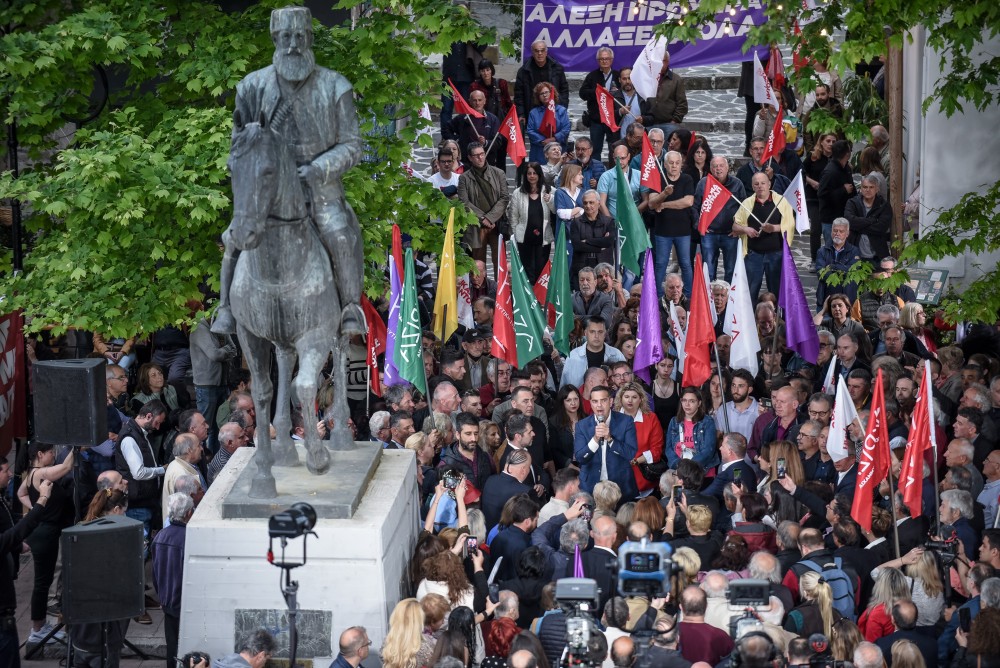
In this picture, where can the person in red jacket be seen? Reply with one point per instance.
(633, 401)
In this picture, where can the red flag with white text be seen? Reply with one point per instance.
(510, 129)
(606, 108)
(504, 346)
(713, 202)
(541, 290)
(13, 382)
(775, 140)
(376, 343)
(547, 127)
(461, 106)
(911, 475)
(873, 462)
(649, 172)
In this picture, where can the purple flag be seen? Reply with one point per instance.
(392, 376)
(649, 343)
(800, 332)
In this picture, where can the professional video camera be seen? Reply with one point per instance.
(821, 658)
(645, 569)
(747, 595)
(578, 598)
(946, 549)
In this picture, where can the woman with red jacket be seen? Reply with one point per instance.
(633, 401)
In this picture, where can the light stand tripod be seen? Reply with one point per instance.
(292, 523)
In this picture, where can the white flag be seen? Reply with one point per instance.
(796, 196)
(679, 336)
(425, 113)
(464, 302)
(844, 414)
(763, 92)
(708, 286)
(646, 70)
(740, 321)
(830, 382)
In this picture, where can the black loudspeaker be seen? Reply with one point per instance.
(103, 577)
(70, 401)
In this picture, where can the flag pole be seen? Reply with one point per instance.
(892, 506)
(368, 388)
(722, 389)
(492, 141)
(444, 323)
(744, 207)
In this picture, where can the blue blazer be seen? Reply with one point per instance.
(723, 478)
(621, 451)
(705, 452)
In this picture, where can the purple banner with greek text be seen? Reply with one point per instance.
(574, 29)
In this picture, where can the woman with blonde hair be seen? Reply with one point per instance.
(405, 636)
(890, 586)
(905, 654)
(816, 613)
(633, 401)
(845, 636)
(926, 588)
(690, 563)
(913, 319)
(607, 494)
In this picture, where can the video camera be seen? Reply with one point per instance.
(645, 569)
(578, 598)
(747, 594)
(821, 658)
(946, 549)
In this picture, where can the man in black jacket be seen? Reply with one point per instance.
(608, 78)
(836, 186)
(466, 455)
(507, 484)
(516, 538)
(540, 68)
(904, 617)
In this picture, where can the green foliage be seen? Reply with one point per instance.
(958, 31)
(123, 225)
(863, 103)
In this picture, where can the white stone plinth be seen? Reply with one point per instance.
(356, 567)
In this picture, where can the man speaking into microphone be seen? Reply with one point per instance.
(604, 445)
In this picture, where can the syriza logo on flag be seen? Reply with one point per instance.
(714, 201)
(511, 128)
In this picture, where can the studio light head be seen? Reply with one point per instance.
(292, 523)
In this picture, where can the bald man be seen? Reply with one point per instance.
(781, 423)
(603, 531)
(354, 644)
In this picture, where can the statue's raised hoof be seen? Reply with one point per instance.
(224, 322)
(263, 487)
(352, 321)
(318, 461)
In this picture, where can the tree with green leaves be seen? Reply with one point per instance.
(956, 30)
(123, 223)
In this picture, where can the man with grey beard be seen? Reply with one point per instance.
(311, 108)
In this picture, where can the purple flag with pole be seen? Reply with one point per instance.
(392, 376)
(649, 343)
(800, 333)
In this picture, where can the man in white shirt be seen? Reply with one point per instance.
(743, 410)
(187, 453)
(565, 484)
(446, 180)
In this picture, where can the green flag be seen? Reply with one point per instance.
(632, 236)
(407, 356)
(529, 323)
(559, 294)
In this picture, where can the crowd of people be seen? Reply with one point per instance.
(545, 470)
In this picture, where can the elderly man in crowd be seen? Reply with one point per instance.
(719, 237)
(763, 218)
(482, 188)
(168, 566)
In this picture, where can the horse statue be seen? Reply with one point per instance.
(283, 294)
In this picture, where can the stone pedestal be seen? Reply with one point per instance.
(356, 568)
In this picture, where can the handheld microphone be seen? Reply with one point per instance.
(600, 420)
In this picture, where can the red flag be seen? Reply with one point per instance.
(510, 129)
(541, 290)
(911, 476)
(547, 128)
(13, 381)
(713, 202)
(376, 343)
(606, 108)
(776, 69)
(461, 106)
(700, 333)
(798, 60)
(504, 346)
(873, 464)
(775, 140)
(649, 174)
(397, 250)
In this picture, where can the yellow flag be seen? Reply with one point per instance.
(445, 301)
